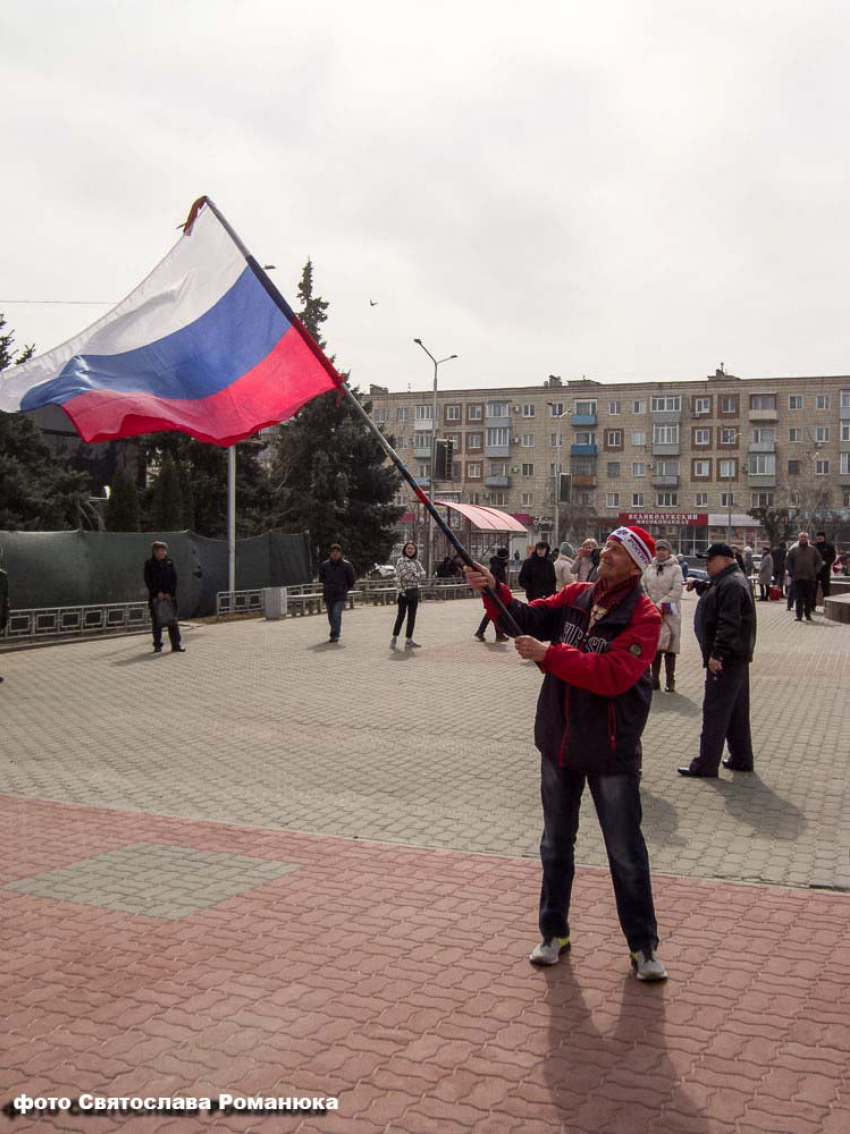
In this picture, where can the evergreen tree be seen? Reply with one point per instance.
(123, 509)
(328, 470)
(37, 493)
(166, 512)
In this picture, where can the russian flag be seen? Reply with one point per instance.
(204, 345)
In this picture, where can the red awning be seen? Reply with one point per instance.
(484, 519)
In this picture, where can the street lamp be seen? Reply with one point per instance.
(437, 363)
(560, 416)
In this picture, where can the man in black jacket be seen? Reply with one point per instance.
(161, 581)
(827, 553)
(499, 571)
(537, 577)
(725, 626)
(337, 578)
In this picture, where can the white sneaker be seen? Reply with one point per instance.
(549, 951)
(393, 642)
(647, 966)
(411, 645)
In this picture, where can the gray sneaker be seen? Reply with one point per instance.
(392, 642)
(409, 644)
(647, 966)
(549, 951)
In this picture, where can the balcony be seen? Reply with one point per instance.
(666, 417)
(763, 446)
(584, 480)
(497, 451)
(672, 450)
(423, 481)
(757, 415)
(761, 480)
(844, 413)
(665, 480)
(583, 450)
(423, 452)
(424, 425)
(497, 481)
(501, 422)
(844, 479)
(583, 419)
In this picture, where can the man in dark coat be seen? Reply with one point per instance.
(499, 571)
(591, 713)
(779, 554)
(161, 581)
(804, 564)
(725, 626)
(337, 578)
(827, 553)
(537, 577)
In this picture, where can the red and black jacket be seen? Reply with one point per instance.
(596, 695)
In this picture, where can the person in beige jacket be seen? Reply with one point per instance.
(564, 566)
(663, 582)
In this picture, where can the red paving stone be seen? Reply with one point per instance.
(397, 979)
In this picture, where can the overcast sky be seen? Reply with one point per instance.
(626, 189)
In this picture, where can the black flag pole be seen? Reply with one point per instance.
(505, 617)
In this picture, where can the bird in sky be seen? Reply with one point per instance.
(373, 303)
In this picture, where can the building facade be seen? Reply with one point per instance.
(690, 460)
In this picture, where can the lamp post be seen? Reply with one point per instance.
(560, 416)
(437, 363)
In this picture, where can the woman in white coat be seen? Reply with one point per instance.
(662, 581)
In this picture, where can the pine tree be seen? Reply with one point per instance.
(123, 509)
(328, 470)
(166, 512)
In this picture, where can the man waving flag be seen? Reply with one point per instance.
(205, 345)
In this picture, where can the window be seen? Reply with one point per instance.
(667, 468)
(701, 470)
(638, 468)
(666, 499)
(847, 497)
(555, 441)
(845, 399)
(822, 468)
(821, 434)
(701, 499)
(528, 469)
(845, 431)
(586, 408)
(665, 403)
(613, 438)
(762, 464)
(612, 500)
(422, 440)
(498, 498)
(588, 499)
(500, 437)
(613, 469)
(762, 500)
(795, 434)
(473, 413)
(762, 401)
(639, 437)
(457, 470)
(795, 401)
(452, 413)
(554, 468)
(474, 441)
(763, 435)
(822, 401)
(473, 470)
(665, 435)
(401, 413)
(529, 409)
(615, 408)
(702, 407)
(456, 440)
(527, 498)
(637, 500)
(498, 409)
(845, 464)
(379, 415)
(401, 442)
(498, 468)
(424, 471)
(727, 470)
(585, 437)
(702, 438)
(556, 409)
(727, 499)
(639, 406)
(422, 413)
(793, 468)
(727, 405)
(728, 436)
(527, 440)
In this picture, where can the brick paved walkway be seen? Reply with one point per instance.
(181, 917)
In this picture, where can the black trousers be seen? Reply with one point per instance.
(825, 580)
(406, 605)
(156, 627)
(726, 718)
(804, 597)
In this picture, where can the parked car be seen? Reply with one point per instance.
(382, 571)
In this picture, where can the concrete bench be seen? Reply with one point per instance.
(837, 608)
(314, 603)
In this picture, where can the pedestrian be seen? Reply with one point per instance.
(591, 712)
(739, 559)
(828, 554)
(586, 563)
(662, 581)
(749, 562)
(4, 602)
(564, 566)
(779, 554)
(161, 582)
(683, 563)
(498, 569)
(457, 567)
(765, 576)
(446, 569)
(725, 626)
(337, 578)
(537, 577)
(409, 573)
(804, 564)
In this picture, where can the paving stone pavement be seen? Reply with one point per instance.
(395, 978)
(266, 724)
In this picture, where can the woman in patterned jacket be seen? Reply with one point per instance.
(408, 573)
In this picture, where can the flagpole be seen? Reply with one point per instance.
(505, 617)
(231, 523)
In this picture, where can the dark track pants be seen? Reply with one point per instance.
(726, 718)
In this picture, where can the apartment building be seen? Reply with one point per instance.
(689, 460)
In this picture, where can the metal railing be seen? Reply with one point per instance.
(238, 602)
(66, 622)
